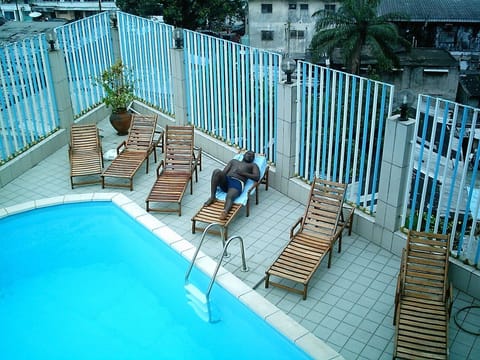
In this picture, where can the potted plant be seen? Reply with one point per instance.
(118, 86)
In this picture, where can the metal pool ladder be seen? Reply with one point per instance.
(200, 301)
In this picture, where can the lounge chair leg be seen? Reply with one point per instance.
(193, 226)
(305, 292)
(267, 281)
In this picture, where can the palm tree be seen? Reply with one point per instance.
(356, 27)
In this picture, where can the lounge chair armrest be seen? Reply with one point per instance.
(449, 298)
(399, 289)
(254, 186)
(122, 144)
(160, 167)
(294, 226)
(197, 154)
(400, 278)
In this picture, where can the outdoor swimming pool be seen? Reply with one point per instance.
(86, 280)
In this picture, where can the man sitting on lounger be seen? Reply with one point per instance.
(232, 180)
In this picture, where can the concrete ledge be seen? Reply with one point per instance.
(38, 152)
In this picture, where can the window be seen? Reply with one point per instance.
(330, 8)
(292, 6)
(267, 35)
(266, 8)
(297, 34)
(303, 7)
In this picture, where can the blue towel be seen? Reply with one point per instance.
(242, 199)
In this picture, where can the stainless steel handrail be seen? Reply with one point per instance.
(224, 254)
(224, 251)
(200, 245)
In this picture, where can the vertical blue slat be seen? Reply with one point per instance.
(378, 147)
(350, 149)
(419, 164)
(438, 161)
(231, 87)
(247, 90)
(364, 140)
(325, 122)
(223, 115)
(455, 169)
(240, 91)
(188, 78)
(266, 87)
(303, 125)
(257, 95)
(207, 98)
(276, 80)
(465, 214)
(314, 112)
(336, 159)
(31, 84)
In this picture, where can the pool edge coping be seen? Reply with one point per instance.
(290, 328)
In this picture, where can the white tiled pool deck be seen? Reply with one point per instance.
(349, 306)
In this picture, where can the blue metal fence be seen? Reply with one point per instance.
(340, 129)
(232, 91)
(28, 110)
(88, 49)
(145, 50)
(443, 185)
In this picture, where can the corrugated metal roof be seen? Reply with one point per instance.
(434, 10)
(13, 31)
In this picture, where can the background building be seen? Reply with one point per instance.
(285, 26)
(19, 10)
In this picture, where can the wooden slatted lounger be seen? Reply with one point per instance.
(211, 213)
(85, 154)
(312, 237)
(175, 171)
(133, 152)
(423, 298)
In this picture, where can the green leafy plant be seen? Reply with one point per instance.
(118, 85)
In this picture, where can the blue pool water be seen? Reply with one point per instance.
(86, 281)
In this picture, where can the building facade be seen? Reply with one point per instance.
(21, 10)
(284, 26)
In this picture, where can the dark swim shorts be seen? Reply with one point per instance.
(235, 183)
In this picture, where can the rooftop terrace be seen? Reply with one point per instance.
(349, 306)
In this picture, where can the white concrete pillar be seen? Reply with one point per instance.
(61, 88)
(392, 191)
(179, 81)
(285, 162)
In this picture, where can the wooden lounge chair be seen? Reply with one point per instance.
(175, 170)
(85, 155)
(211, 213)
(315, 235)
(423, 298)
(133, 152)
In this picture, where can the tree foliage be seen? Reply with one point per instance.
(356, 28)
(188, 14)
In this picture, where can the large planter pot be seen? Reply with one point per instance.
(121, 121)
